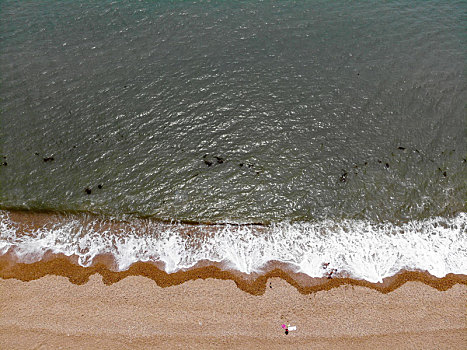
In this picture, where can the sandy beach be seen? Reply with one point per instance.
(206, 313)
(233, 175)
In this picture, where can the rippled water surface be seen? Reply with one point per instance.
(242, 112)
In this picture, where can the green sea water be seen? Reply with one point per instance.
(238, 111)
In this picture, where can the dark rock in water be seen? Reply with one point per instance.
(207, 162)
(4, 163)
(387, 165)
(250, 165)
(87, 190)
(36, 153)
(99, 186)
(219, 160)
(401, 148)
(343, 177)
(366, 163)
(241, 164)
(444, 172)
(48, 159)
(379, 161)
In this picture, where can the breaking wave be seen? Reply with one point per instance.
(354, 248)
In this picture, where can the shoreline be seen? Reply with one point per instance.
(254, 284)
(374, 253)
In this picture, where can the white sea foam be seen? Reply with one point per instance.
(357, 248)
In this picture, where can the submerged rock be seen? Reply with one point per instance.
(343, 177)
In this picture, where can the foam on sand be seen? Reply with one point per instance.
(354, 248)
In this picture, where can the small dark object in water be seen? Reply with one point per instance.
(87, 190)
(343, 177)
(36, 153)
(387, 165)
(5, 163)
(99, 186)
(331, 273)
(207, 162)
(219, 160)
(366, 163)
(250, 165)
(286, 332)
(379, 161)
(445, 174)
(48, 159)
(240, 165)
(401, 148)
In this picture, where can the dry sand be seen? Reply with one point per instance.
(136, 313)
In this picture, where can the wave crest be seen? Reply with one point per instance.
(355, 248)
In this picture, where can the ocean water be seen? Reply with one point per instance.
(308, 132)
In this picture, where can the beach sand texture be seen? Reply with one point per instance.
(136, 313)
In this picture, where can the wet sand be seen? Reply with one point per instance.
(193, 310)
